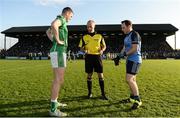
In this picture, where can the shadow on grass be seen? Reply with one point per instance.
(25, 108)
(79, 98)
(108, 113)
(93, 106)
(107, 103)
(104, 112)
(40, 108)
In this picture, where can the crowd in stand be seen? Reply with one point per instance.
(40, 48)
(28, 48)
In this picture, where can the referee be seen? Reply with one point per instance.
(93, 45)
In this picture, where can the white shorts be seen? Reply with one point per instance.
(58, 59)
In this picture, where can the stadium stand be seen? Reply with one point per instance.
(33, 41)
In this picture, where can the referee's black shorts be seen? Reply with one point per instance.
(132, 67)
(93, 63)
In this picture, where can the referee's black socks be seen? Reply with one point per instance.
(101, 84)
(89, 85)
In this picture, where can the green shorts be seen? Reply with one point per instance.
(58, 59)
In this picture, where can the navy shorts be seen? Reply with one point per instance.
(132, 67)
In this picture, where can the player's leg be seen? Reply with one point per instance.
(58, 61)
(56, 86)
(132, 84)
(89, 71)
(132, 70)
(98, 67)
(57, 82)
(101, 84)
(131, 97)
(89, 84)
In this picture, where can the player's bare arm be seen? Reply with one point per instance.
(49, 34)
(55, 27)
(132, 50)
(123, 49)
(103, 49)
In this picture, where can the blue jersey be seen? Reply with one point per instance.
(133, 38)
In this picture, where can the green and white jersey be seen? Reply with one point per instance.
(63, 35)
(58, 52)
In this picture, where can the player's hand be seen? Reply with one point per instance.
(86, 51)
(120, 56)
(124, 54)
(101, 52)
(60, 42)
(116, 60)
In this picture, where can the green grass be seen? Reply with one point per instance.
(25, 89)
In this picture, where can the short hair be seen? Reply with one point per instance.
(127, 22)
(67, 9)
(91, 21)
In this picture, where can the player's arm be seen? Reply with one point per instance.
(55, 27)
(103, 46)
(82, 49)
(123, 50)
(135, 41)
(82, 46)
(132, 50)
(49, 34)
(119, 56)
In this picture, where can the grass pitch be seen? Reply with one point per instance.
(25, 89)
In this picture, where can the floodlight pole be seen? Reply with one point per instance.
(4, 42)
(175, 41)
